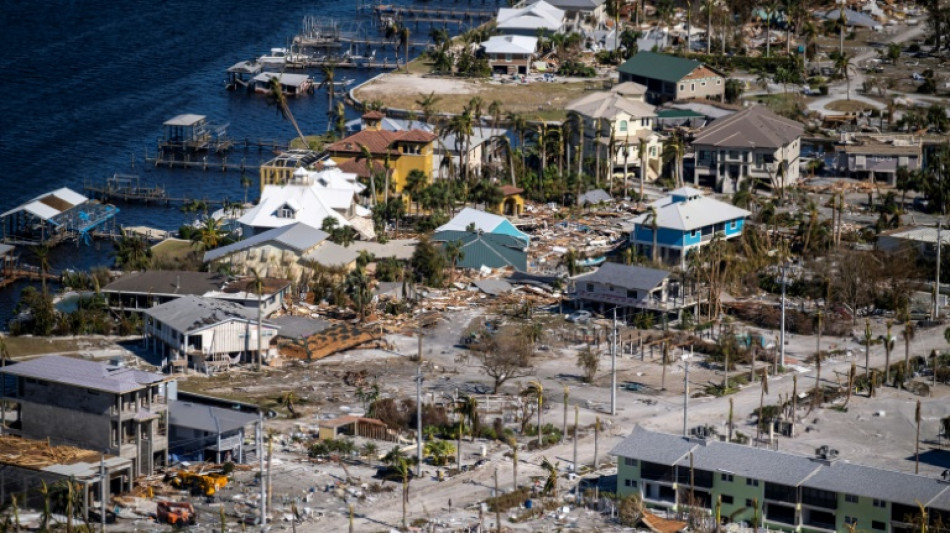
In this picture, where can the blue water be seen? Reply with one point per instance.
(87, 85)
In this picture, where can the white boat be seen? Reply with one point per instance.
(279, 58)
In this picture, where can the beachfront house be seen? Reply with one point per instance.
(531, 20)
(115, 409)
(633, 290)
(618, 123)
(387, 153)
(510, 54)
(753, 144)
(784, 491)
(876, 158)
(206, 333)
(684, 221)
(580, 13)
(668, 77)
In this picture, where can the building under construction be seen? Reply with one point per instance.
(55, 216)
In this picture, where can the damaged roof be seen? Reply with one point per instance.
(192, 313)
(84, 374)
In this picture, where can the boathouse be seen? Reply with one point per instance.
(55, 216)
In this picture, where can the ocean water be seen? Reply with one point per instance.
(87, 85)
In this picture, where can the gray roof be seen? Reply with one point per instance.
(167, 282)
(6, 248)
(753, 127)
(299, 237)
(207, 418)
(401, 249)
(493, 287)
(653, 447)
(626, 276)
(187, 119)
(299, 327)
(192, 313)
(84, 374)
(596, 196)
(758, 463)
(878, 483)
(331, 254)
(576, 5)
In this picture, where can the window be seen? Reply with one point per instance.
(878, 525)
(725, 477)
(692, 87)
(732, 225)
(850, 520)
(719, 81)
(748, 503)
(696, 234)
(644, 122)
(752, 482)
(630, 483)
(629, 462)
(851, 498)
(632, 294)
(727, 499)
(682, 87)
(508, 58)
(703, 84)
(880, 503)
(733, 154)
(590, 287)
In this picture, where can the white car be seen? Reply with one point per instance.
(579, 317)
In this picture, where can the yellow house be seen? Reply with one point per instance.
(512, 205)
(280, 170)
(400, 151)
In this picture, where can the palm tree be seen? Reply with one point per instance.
(598, 134)
(42, 257)
(245, 184)
(468, 408)
(367, 155)
(327, 70)
(404, 471)
(908, 337)
(550, 482)
(841, 24)
(536, 390)
(917, 419)
(570, 261)
(654, 229)
(209, 235)
(401, 33)
(132, 253)
(844, 67)
(770, 9)
(665, 360)
(673, 151)
(513, 444)
(888, 346)
(359, 290)
(494, 109)
(427, 105)
(416, 181)
(642, 152)
(259, 289)
(276, 97)
(454, 253)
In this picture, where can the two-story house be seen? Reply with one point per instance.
(633, 290)
(786, 492)
(395, 152)
(753, 144)
(510, 54)
(684, 221)
(117, 410)
(669, 77)
(877, 157)
(615, 123)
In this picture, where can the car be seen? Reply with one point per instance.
(580, 317)
(389, 473)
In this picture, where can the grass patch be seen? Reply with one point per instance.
(788, 105)
(27, 346)
(849, 106)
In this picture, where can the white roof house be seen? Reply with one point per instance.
(510, 44)
(528, 20)
(482, 222)
(610, 105)
(686, 209)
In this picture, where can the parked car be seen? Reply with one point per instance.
(580, 317)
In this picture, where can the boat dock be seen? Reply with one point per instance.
(412, 11)
(127, 188)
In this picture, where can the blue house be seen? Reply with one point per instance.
(685, 220)
(469, 219)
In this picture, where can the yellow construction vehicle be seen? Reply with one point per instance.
(206, 484)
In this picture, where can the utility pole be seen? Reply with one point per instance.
(686, 394)
(782, 332)
(937, 280)
(102, 492)
(419, 412)
(576, 418)
(497, 507)
(613, 368)
(260, 456)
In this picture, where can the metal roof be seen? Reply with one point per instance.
(510, 44)
(596, 196)
(493, 287)
(653, 65)
(167, 282)
(576, 5)
(298, 236)
(207, 418)
(758, 463)
(186, 119)
(482, 220)
(284, 78)
(193, 313)
(540, 15)
(753, 127)
(308, 203)
(401, 249)
(48, 205)
(84, 374)
(6, 248)
(691, 214)
(331, 254)
(625, 276)
(609, 105)
(299, 327)
(491, 250)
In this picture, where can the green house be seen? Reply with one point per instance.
(669, 77)
(778, 490)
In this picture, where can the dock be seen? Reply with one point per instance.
(127, 188)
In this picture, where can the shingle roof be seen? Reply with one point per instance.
(654, 447)
(626, 276)
(608, 105)
(540, 15)
(85, 374)
(177, 282)
(487, 249)
(657, 66)
(299, 237)
(753, 127)
(193, 313)
(379, 141)
(691, 214)
(207, 418)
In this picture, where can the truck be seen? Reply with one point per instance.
(176, 513)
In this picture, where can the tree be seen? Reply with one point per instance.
(588, 361)
(276, 98)
(404, 472)
(917, 419)
(536, 390)
(428, 264)
(674, 149)
(327, 70)
(359, 291)
(550, 482)
(733, 90)
(209, 235)
(245, 184)
(654, 230)
(439, 450)
(367, 155)
(132, 253)
(844, 68)
(400, 33)
(628, 40)
(416, 182)
(908, 337)
(427, 104)
(888, 346)
(259, 289)
(467, 408)
(664, 361)
(500, 359)
(454, 253)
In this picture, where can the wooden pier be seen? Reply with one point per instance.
(417, 11)
(127, 188)
(25, 273)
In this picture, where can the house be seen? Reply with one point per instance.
(669, 77)
(581, 12)
(753, 144)
(684, 221)
(787, 492)
(510, 54)
(483, 222)
(55, 215)
(923, 239)
(491, 250)
(594, 197)
(853, 19)
(307, 198)
(633, 290)
(284, 251)
(209, 334)
(617, 125)
(114, 409)
(394, 152)
(539, 17)
(512, 203)
(280, 169)
(137, 291)
(877, 157)
(201, 432)
(290, 84)
(485, 149)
